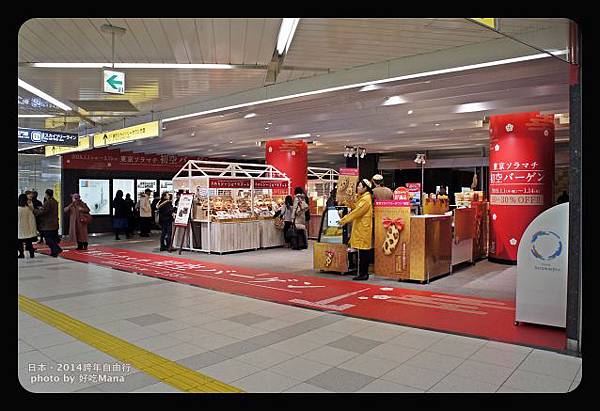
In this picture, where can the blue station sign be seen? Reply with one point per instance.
(55, 138)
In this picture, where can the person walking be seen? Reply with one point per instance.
(361, 217)
(165, 219)
(47, 222)
(26, 228)
(130, 212)
(37, 204)
(145, 213)
(299, 209)
(120, 215)
(79, 217)
(380, 191)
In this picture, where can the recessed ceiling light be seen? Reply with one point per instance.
(437, 124)
(266, 128)
(370, 87)
(400, 132)
(413, 125)
(410, 111)
(231, 142)
(250, 115)
(243, 155)
(269, 123)
(392, 101)
(36, 115)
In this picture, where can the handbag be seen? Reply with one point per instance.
(278, 222)
(85, 218)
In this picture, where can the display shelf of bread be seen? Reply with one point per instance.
(435, 204)
(465, 198)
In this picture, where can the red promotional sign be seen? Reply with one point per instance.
(392, 203)
(349, 171)
(229, 183)
(402, 196)
(272, 184)
(521, 177)
(413, 187)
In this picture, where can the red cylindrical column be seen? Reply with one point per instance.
(521, 177)
(291, 158)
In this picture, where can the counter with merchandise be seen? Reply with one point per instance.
(234, 205)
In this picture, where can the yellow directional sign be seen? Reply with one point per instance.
(124, 135)
(488, 21)
(82, 144)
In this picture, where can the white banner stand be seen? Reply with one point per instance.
(542, 269)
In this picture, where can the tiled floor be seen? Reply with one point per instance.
(256, 345)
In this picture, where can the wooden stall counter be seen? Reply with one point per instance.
(430, 246)
(463, 235)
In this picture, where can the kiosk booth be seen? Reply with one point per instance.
(233, 206)
(320, 183)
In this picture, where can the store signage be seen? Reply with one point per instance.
(521, 177)
(349, 171)
(229, 183)
(270, 184)
(141, 131)
(83, 144)
(184, 209)
(402, 195)
(542, 267)
(414, 189)
(113, 81)
(57, 138)
(486, 21)
(115, 159)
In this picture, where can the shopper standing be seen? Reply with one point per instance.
(362, 227)
(153, 205)
(299, 220)
(120, 214)
(332, 199)
(129, 209)
(145, 213)
(380, 191)
(37, 204)
(79, 215)
(165, 219)
(26, 228)
(285, 211)
(47, 222)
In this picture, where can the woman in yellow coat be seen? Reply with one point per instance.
(361, 217)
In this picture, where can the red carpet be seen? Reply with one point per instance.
(478, 317)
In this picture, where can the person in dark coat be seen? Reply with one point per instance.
(47, 222)
(130, 210)
(153, 206)
(165, 219)
(120, 214)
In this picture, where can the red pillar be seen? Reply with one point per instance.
(521, 177)
(291, 158)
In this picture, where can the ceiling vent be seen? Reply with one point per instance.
(121, 106)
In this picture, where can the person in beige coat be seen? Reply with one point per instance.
(145, 213)
(26, 228)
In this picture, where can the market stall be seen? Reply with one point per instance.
(320, 183)
(233, 205)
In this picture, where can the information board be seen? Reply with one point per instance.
(184, 209)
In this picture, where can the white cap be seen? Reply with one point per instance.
(377, 177)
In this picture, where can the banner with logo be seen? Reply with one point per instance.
(542, 267)
(55, 138)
